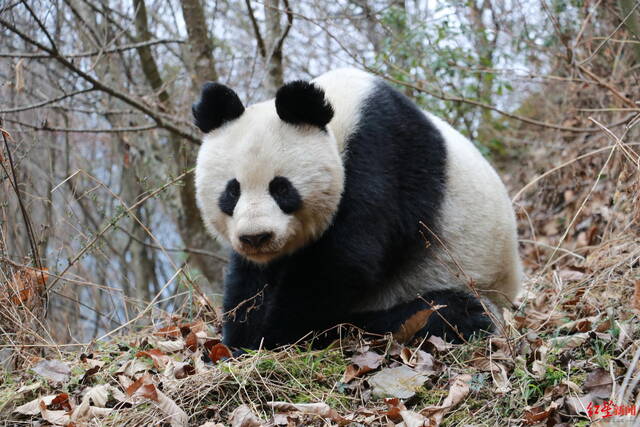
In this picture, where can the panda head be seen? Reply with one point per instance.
(269, 178)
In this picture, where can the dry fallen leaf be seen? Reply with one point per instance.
(176, 416)
(368, 359)
(99, 395)
(219, 352)
(55, 417)
(539, 413)
(33, 407)
(168, 331)
(242, 416)
(148, 391)
(412, 419)
(413, 325)
(132, 367)
(457, 393)
(320, 409)
(395, 407)
(84, 411)
(351, 372)
(498, 373)
(362, 363)
(54, 370)
(598, 383)
(133, 387)
(170, 346)
(159, 359)
(26, 285)
(61, 402)
(421, 361)
(434, 343)
(401, 382)
(191, 341)
(635, 301)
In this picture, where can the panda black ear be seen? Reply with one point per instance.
(217, 105)
(301, 102)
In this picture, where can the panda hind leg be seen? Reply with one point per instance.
(461, 316)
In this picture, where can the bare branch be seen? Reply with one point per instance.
(45, 127)
(47, 102)
(116, 49)
(41, 25)
(256, 30)
(104, 87)
(289, 13)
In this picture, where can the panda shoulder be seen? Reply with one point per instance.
(347, 89)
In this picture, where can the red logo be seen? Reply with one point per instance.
(610, 409)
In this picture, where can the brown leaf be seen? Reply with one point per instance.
(148, 391)
(131, 389)
(191, 341)
(27, 285)
(362, 363)
(61, 402)
(159, 359)
(351, 372)
(421, 361)
(598, 383)
(437, 344)
(89, 373)
(369, 360)
(208, 345)
(635, 300)
(457, 393)
(168, 331)
(571, 275)
(413, 325)
(180, 370)
(219, 352)
(539, 413)
(395, 407)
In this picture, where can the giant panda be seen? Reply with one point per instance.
(343, 202)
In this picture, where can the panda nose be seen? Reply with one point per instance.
(256, 240)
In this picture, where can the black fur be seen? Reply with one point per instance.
(301, 102)
(464, 315)
(229, 197)
(395, 177)
(285, 194)
(218, 104)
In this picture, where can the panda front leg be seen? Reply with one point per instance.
(246, 293)
(461, 316)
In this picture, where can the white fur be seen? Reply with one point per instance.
(478, 234)
(254, 149)
(478, 226)
(345, 89)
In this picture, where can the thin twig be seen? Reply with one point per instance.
(99, 85)
(117, 49)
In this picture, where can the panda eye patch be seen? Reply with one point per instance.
(285, 194)
(229, 197)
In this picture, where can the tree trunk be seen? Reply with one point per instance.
(190, 225)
